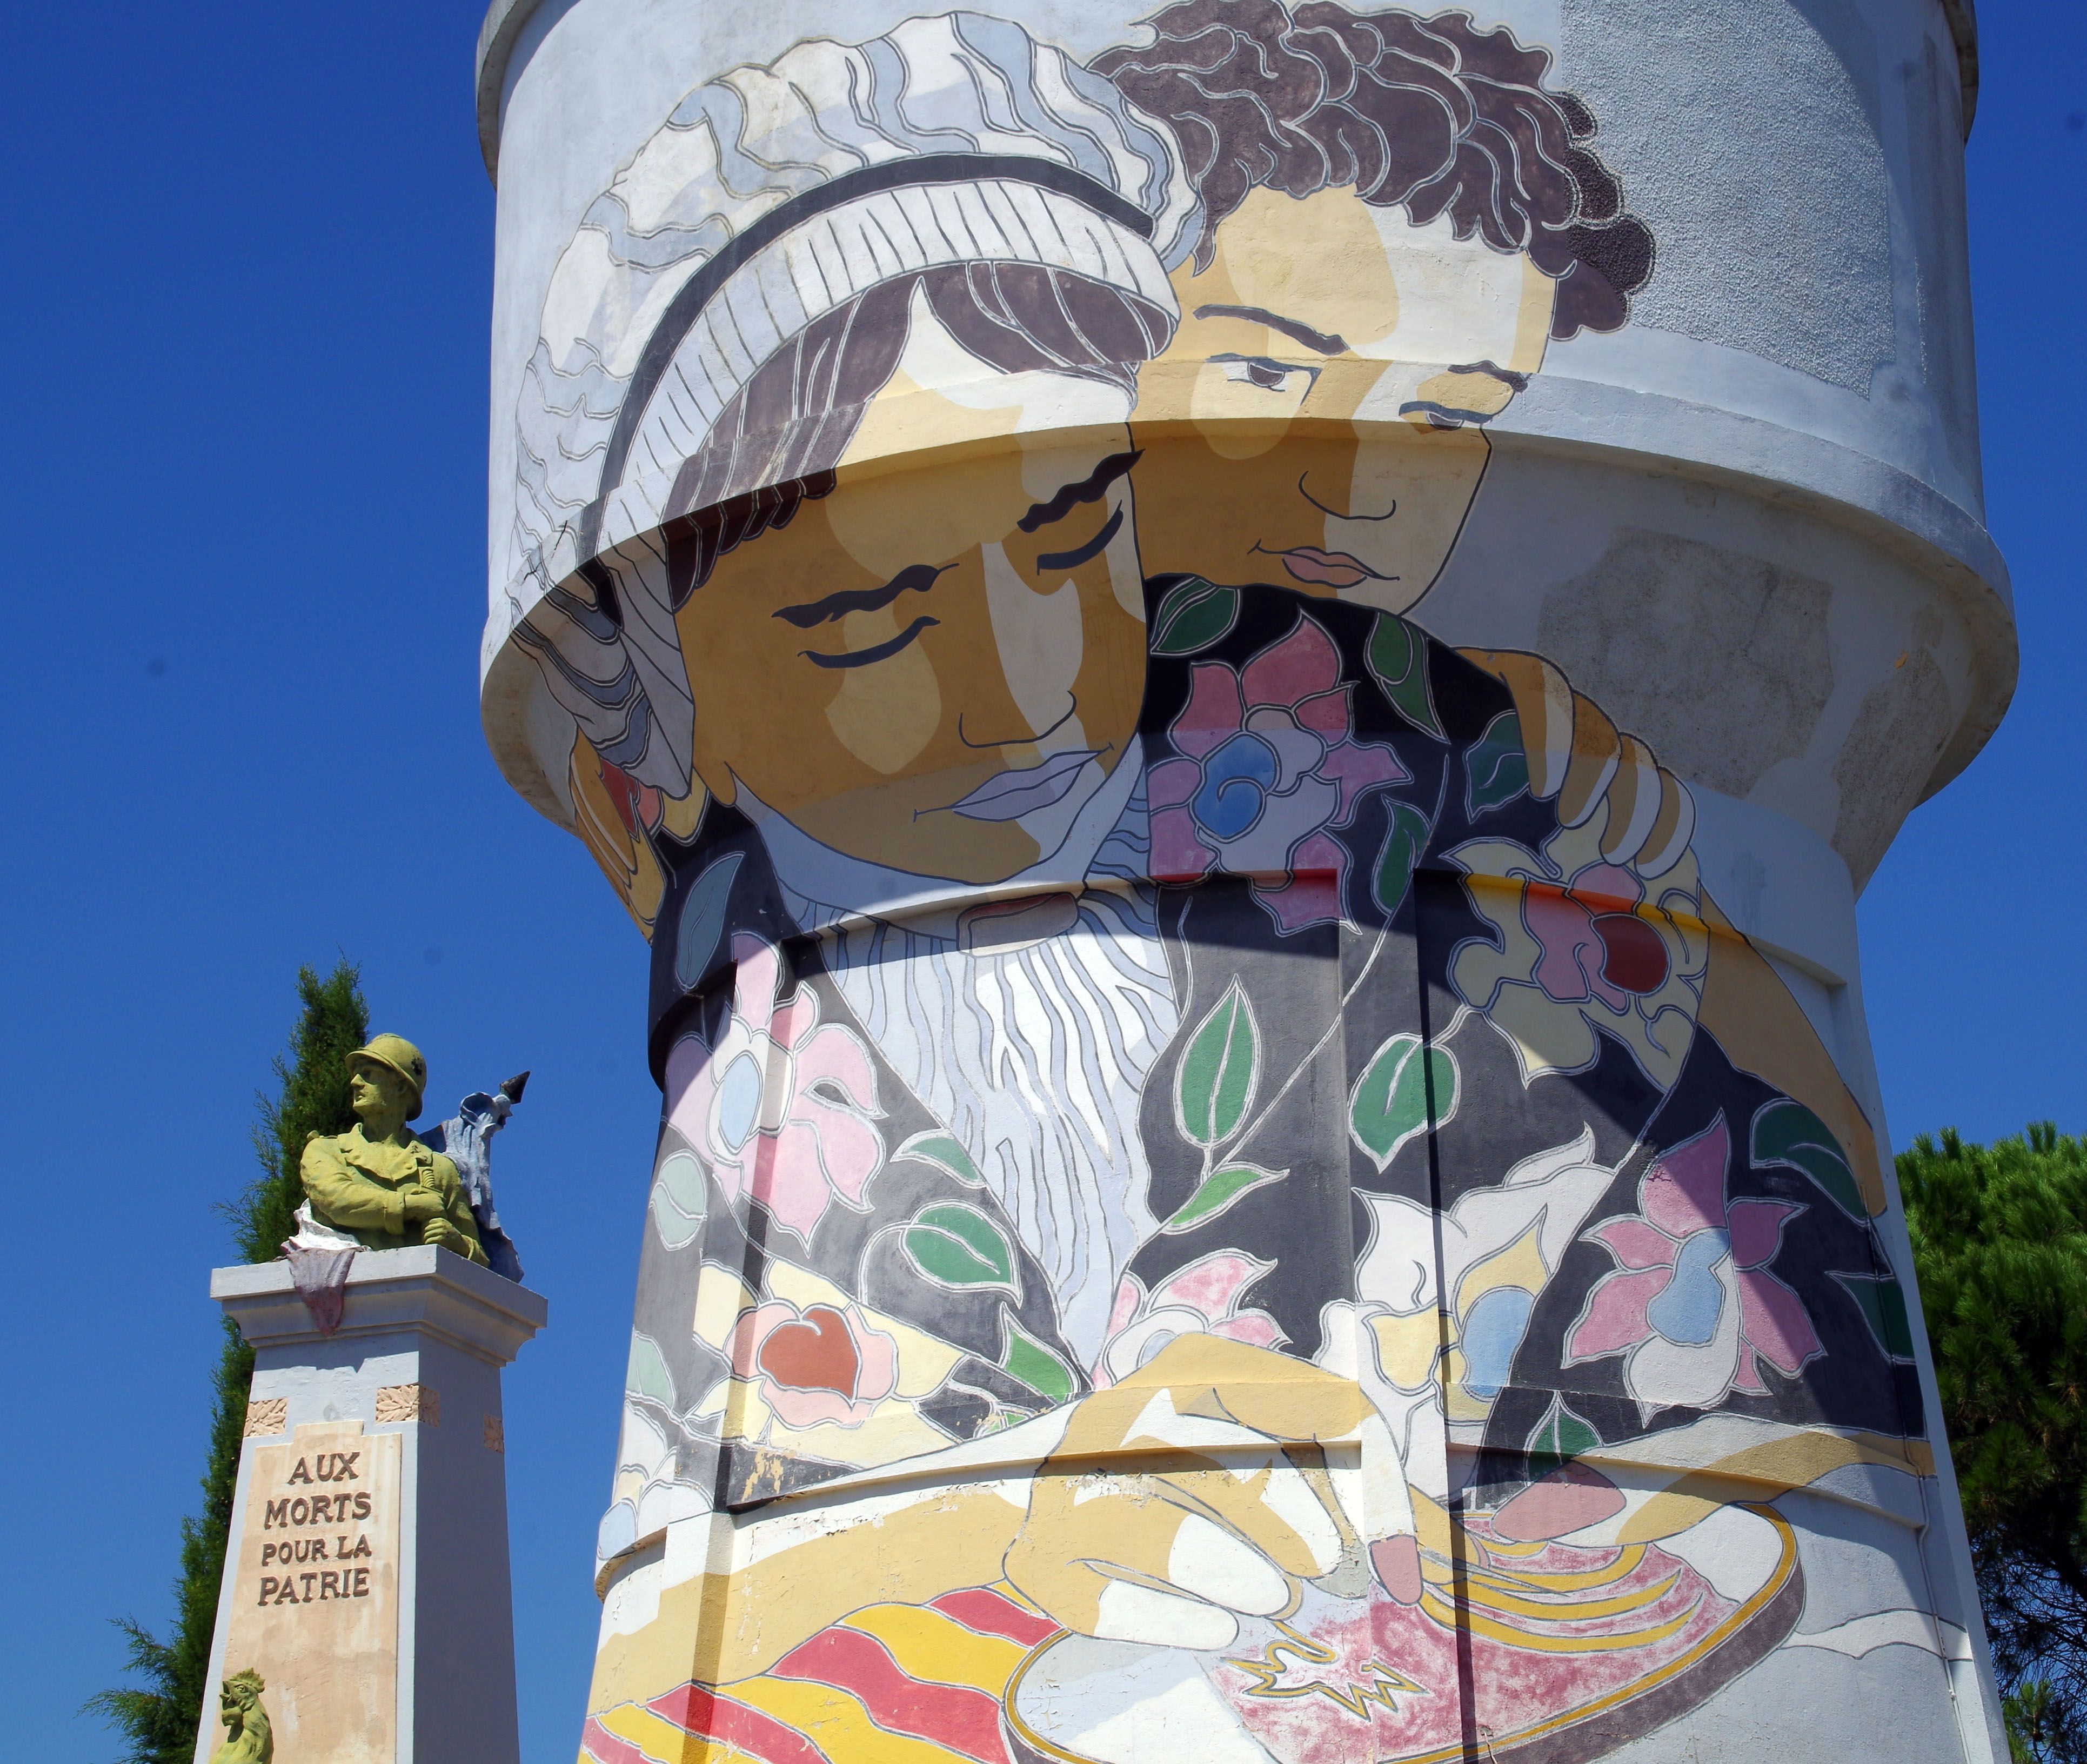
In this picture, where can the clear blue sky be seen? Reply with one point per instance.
(247, 264)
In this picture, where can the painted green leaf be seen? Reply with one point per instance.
(680, 1197)
(1389, 1104)
(1214, 1084)
(1559, 1437)
(1217, 1191)
(1786, 1133)
(1398, 658)
(1883, 1302)
(648, 1374)
(1028, 1361)
(1496, 768)
(1192, 617)
(703, 920)
(943, 1151)
(1404, 840)
(958, 1246)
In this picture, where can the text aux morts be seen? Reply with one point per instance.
(331, 1510)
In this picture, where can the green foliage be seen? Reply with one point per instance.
(1398, 1094)
(334, 1022)
(1217, 1191)
(1214, 1086)
(2000, 1240)
(159, 1718)
(2040, 1728)
(957, 1247)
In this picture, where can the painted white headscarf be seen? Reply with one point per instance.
(771, 196)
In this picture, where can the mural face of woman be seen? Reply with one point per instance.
(1318, 419)
(934, 671)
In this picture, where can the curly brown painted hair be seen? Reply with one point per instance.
(1430, 114)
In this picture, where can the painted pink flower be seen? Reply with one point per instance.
(781, 1108)
(1691, 1300)
(1201, 1298)
(823, 1363)
(1265, 759)
(1594, 945)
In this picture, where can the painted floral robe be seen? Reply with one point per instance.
(1406, 992)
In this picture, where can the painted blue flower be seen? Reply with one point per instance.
(1237, 780)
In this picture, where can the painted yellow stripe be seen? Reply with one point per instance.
(837, 1722)
(1450, 1617)
(1573, 1611)
(928, 1645)
(1442, 1570)
(1627, 1558)
(653, 1735)
(1496, 1547)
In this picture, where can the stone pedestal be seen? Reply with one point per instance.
(366, 1575)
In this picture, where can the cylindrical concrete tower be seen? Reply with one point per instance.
(1242, 661)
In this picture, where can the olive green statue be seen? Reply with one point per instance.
(249, 1739)
(377, 1183)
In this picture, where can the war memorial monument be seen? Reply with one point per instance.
(364, 1616)
(1241, 661)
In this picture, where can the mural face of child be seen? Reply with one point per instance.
(934, 670)
(1318, 419)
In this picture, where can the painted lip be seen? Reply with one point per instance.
(1331, 568)
(1008, 796)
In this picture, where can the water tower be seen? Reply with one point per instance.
(1242, 662)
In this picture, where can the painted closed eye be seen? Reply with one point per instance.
(1080, 554)
(1270, 376)
(862, 658)
(1436, 415)
(1464, 397)
(1432, 415)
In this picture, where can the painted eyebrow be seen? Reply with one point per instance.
(1294, 329)
(1089, 489)
(1506, 376)
(917, 577)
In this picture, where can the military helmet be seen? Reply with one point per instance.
(397, 1054)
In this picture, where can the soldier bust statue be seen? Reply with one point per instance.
(377, 1183)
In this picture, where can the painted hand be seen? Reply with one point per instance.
(1208, 1485)
(1578, 755)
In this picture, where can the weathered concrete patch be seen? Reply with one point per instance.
(1898, 733)
(1719, 661)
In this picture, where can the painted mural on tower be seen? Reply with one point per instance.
(1233, 1128)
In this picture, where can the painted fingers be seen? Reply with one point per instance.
(1166, 1516)
(1578, 756)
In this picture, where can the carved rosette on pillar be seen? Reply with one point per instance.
(366, 1577)
(1242, 659)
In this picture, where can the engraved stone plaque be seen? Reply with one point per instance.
(314, 1592)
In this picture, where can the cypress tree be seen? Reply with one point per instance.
(2000, 1240)
(159, 1717)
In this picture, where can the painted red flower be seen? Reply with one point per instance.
(1583, 948)
(823, 1363)
(1595, 946)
